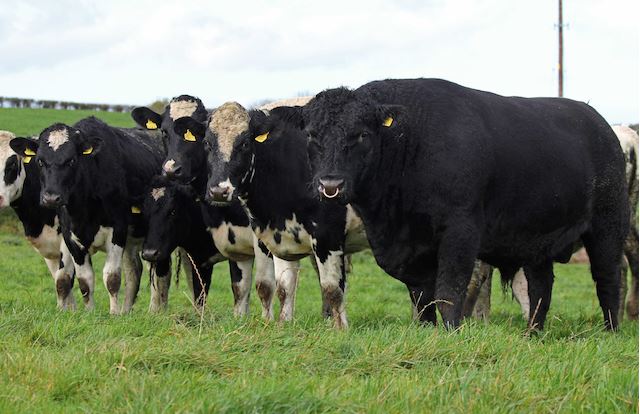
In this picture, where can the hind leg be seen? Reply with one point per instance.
(631, 252)
(241, 285)
(605, 254)
(160, 283)
(478, 300)
(132, 269)
(539, 284)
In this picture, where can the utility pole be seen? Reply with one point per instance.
(560, 66)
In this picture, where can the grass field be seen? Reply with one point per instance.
(52, 361)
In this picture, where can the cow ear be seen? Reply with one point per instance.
(387, 115)
(146, 118)
(189, 129)
(289, 114)
(26, 148)
(90, 146)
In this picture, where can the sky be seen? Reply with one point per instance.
(134, 52)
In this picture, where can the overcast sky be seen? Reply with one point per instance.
(133, 52)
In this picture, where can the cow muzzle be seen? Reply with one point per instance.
(50, 200)
(331, 188)
(150, 255)
(218, 195)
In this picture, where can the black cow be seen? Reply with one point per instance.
(229, 226)
(265, 165)
(442, 174)
(174, 220)
(94, 176)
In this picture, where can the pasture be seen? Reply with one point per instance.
(178, 361)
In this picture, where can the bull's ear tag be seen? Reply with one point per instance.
(28, 155)
(262, 138)
(135, 210)
(87, 151)
(151, 125)
(188, 136)
(387, 122)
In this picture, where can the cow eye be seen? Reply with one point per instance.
(71, 162)
(40, 163)
(173, 212)
(363, 135)
(207, 145)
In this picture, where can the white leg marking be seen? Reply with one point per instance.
(521, 293)
(132, 269)
(111, 275)
(86, 280)
(286, 283)
(242, 289)
(160, 291)
(265, 280)
(331, 272)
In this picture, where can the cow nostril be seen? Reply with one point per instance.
(150, 254)
(50, 199)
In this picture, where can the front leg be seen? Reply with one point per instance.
(265, 277)
(539, 284)
(286, 284)
(63, 276)
(456, 255)
(333, 284)
(132, 268)
(160, 283)
(241, 285)
(111, 272)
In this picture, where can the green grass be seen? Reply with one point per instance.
(28, 122)
(173, 362)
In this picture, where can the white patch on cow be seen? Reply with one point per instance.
(168, 166)
(112, 271)
(520, 290)
(76, 240)
(288, 246)
(226, 184)
(286, 274)
(102, 239)
(241, 249)
(179, 109)
(629, 142)
(57, 138)
(157, 193)
(47, 244)
(298, 101)
(242, 288)
(356, 237)
(12, 191)
(228, 121)
(330, 275)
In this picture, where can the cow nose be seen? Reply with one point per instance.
(50, 200)
(150, 255)
(330, 187)
(172, 172)
(218, 194)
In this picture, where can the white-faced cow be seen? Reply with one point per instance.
(442, 174)
(229, 226)
(94, 176)
(264, 164)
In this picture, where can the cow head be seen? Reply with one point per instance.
(185, 157)
(345, 135)
(12, 171)
(62, 154)
(224, 134)
(166, 217)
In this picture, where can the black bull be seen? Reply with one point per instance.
(442, 174)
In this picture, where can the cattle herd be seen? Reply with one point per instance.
(442, 182)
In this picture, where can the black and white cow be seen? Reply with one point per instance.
(229, 226)
(264, 164)
(442, 174)
(94, 176)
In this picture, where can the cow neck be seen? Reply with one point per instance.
(27, 206)
(279, 186)
(81, 203)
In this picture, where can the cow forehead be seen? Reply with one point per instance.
(179, 109)
(227, 123)
(158, 193)
(57, 138)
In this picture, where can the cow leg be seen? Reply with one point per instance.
(241, 285)
(132, 269)
(478, 300)
(62, 271)
(187, 269)
(201, 278)
(265, 279)
(539, 284)
(631, 252)
(456, 255)
(86, 281)
(286, 283)
(605, 255)
(160, 283)
(422, 300)
(326, 306)
(521, 293)
(111, 275)
(333, 285)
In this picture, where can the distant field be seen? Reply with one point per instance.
(29, 122)
(52, 361)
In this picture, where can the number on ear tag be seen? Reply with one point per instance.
(87, 151)
(262, 138)
(151, 125)
(387, 122)
(188, 136)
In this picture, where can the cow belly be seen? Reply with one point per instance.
(285, 244)
(47, 244)
(233, 242)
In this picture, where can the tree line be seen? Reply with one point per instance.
(10, 102)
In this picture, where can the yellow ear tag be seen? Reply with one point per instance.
(27, 151)
(151, 125)
(188, 136)
(87, 151)
(262, 138)
(26, 160)
(135, 210)
(387, 122)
